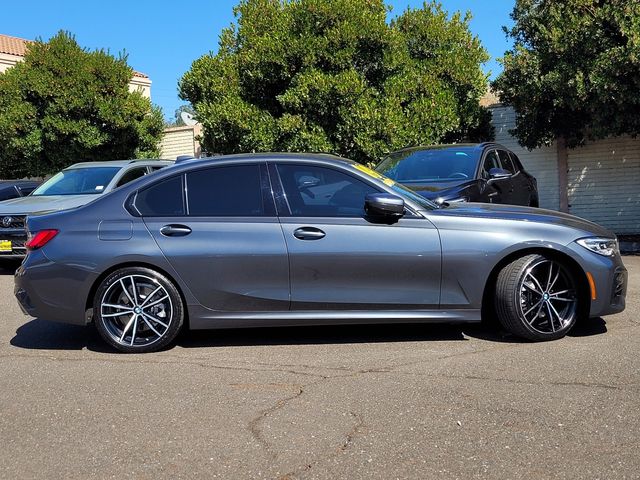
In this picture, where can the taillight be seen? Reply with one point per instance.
(40, 239)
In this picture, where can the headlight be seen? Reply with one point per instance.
(607, 247)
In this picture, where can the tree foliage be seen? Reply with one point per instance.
(64, 104)
(335, 76)
(574, 71)
(177, 116)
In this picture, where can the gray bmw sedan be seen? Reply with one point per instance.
(299, 239)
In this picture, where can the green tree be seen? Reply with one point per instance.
(334, 76)
(64, 104)
(574, 70)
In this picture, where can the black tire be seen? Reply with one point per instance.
(537, 298)
(138, 310)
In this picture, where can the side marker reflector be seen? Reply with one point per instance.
(592, 286)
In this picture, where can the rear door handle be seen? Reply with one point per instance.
(308, 233)
(175, 230)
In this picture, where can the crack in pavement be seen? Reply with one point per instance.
(254, 424)
(515, 381)
(180, 361)
(348, 440)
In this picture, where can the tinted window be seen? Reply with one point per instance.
(516, 161)
(225, 191)
(490, 161)
(132, 175)
(7, 193)
(430, 164)
(323, 192)
(26, 189)
(162, 199)
(505, 159)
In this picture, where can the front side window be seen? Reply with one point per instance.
(228, 191)
(490, 161)
(323, 192)
(162, 199)
(78, 181)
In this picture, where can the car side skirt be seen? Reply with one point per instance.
(202, 319)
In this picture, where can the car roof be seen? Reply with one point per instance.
(286, 157)
(475, 146)
(120, 163)
(5, 183)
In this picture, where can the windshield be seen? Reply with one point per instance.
(451, 163)
(401, 189)
(78, 181)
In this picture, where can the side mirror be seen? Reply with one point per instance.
(384, 205)
(498, 173)
(307, 181)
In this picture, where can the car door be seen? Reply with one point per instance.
(218, 229)
(496, 190)
(339, 258)
(520, 191)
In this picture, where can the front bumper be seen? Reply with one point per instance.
(609, 281)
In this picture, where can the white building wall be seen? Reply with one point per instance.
(541, 162)
(604, 183)
(603, 176)
(178, 141)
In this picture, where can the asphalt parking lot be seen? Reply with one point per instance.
(416, 401)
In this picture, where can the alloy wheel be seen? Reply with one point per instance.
(548, 297)
(136, 310)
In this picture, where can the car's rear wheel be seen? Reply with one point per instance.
(537, 298)
(138, 310)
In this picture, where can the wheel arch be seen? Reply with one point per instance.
(488, 309)
(118, 266)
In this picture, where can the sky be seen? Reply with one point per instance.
(163, 38)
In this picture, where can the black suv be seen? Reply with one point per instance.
(484, 172)
(16, 188)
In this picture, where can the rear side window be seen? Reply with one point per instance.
(131, 175)
(507, 163)
(162, 199)
(231, 191)
(516, 161)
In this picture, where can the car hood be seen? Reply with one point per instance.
(524, 214)
(434, 189)
(43, 203)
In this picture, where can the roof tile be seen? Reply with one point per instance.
(18, 47)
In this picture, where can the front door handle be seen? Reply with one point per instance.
(175, 230)
(308, 233)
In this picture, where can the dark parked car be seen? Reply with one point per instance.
(16, 188)
(70, 188)
(300, 239)
(485, 172)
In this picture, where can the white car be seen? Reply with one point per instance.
(76, 185)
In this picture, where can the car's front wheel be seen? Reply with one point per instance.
(537, 298)
(138, 310)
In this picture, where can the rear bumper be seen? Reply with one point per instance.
(49, 291)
